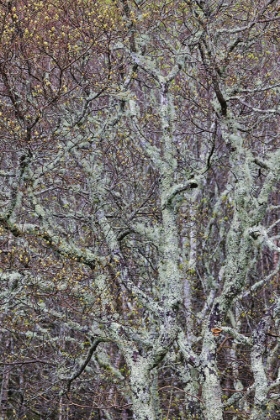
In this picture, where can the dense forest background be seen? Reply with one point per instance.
(139, 209)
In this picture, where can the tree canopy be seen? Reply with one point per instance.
(139, 209)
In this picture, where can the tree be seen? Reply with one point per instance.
(139, 209)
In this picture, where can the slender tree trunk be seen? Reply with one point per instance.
(192, 391)
(257, 364)
(4, 392)
(144, 394)
(211, 389)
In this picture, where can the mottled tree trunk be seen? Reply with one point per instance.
(4, 392)
(192, 390)
(144, 394)
(211, 389)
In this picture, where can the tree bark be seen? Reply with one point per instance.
(144, 394)
(211, 389)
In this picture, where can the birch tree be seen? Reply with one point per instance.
(140, 167)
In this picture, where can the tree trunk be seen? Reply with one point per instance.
(4, 392)
(211, 389)
(144, 395)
